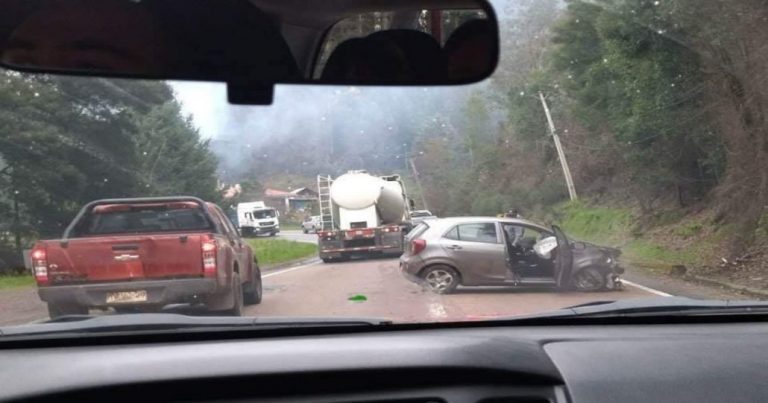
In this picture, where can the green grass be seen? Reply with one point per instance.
(594, 224)
(649, 253)
(690, 229)
(275, 251)
(18, 281)
(289, 226)
(615, 226)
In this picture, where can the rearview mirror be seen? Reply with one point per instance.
(252, 45)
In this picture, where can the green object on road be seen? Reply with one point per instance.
(358, 298)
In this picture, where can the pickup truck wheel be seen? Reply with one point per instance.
(305, 230)
(58, 310)
(252, 290)
(237, 295)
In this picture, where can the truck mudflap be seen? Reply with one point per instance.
(360, 241)
(153, 292)
(364, 249)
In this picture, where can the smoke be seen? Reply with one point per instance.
(361, 125)
(323, 129)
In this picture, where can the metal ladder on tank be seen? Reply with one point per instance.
(326, 205)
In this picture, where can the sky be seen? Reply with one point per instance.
(205, 102)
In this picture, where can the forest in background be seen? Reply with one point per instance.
(55, 154)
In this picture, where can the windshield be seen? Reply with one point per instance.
(261, 214)
(617, 152)
(144, 220)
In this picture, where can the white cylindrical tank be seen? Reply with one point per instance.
(358, 190)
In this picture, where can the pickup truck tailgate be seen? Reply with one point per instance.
(126, 257)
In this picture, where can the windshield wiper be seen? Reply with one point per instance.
(173, 322)
(657, 306)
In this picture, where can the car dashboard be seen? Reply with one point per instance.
(617, 363)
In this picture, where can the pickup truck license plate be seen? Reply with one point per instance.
(122, 297)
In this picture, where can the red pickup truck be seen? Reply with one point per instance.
(143, 254)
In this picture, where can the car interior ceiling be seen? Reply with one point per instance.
(289, 38)
(303, 27)
(389, 56)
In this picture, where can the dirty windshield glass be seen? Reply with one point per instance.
(618, 152)
(144, 220)
(263, 214)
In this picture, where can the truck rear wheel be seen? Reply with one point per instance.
(237, 296)
(252, 291)
(64, 309)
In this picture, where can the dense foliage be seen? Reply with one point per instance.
(67, 141)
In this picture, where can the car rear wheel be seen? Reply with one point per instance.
(440, 279)
(589, 279)
(62, 309)
(252, 291)
(237, 291)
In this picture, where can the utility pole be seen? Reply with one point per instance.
(418, 183)
(560, 152)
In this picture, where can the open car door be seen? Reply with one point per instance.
(508, 260)
(564, 259)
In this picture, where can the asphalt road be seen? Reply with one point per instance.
(375, 288)
(330, 289)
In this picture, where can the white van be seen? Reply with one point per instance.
(256, 218)
(311, 224)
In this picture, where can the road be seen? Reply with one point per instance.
(326, 289)
(375, 288)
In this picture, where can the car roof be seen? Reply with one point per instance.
(446, 221)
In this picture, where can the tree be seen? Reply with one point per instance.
(174, 161)
(65, 141)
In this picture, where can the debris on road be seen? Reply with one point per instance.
(358, 298)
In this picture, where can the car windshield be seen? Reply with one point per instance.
(261, 214)
(617, 152)
(144, 220)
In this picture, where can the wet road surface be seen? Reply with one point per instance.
(375, 288)
(330, 290)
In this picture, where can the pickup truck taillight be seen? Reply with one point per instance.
(209, 257)
(418, 245)
(40, 266)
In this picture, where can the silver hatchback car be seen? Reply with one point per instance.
(444, 253)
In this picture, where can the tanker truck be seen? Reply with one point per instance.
(361, 214)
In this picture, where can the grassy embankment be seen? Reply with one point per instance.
(16, 281)
(655, 243)
(271, 251)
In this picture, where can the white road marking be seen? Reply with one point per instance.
(304, 266)
(647, 289)
(437, 311)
